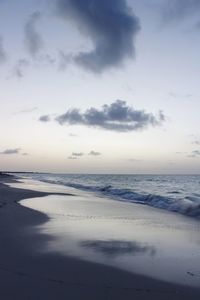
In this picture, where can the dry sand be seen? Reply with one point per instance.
(27, 274)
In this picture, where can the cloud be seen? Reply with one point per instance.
(3, 55)
(72, 157)
(45, 118)
(194, 154)
(196, 142)
(178, 10)
(27, 111)
(47, 59)
(64, 60)
(25, 154)
(197, 25)
(94, 153)
(110, 25)
(11, 151)
(117, 116)
(73, 135)
(33, 40)
(20, 66)
(77, 154)
(181, 96)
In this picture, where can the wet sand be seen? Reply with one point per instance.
(28, 273)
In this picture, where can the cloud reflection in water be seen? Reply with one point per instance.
(114, 248)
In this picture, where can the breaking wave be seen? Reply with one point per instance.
(189, 205)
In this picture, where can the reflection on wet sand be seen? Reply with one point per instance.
(113, 248)
(131, 237)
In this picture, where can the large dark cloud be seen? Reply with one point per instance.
(33, 40)
(117, 116)
(111, 26)
(180, 9)
(11, 151)
(3, 55)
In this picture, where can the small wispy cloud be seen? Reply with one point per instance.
(194, 154)
(11, 151)
(47, 59)
(20, 67)
(73, 135)
(194, 139)
(180, 96)
(94, 153)
(64, 60)
(25, 154)
(26, 111)
(178, 10)
(3, 54)
(196, 142)
(77, 154)
(45, 118)
(33, 40)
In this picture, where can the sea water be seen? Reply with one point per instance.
(176, 193)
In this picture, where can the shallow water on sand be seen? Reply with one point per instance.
(176, 193)
(129, 236)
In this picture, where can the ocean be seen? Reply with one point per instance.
(176, 193)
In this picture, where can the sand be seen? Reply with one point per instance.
(27, 273)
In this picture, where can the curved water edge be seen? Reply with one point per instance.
(130, 237)
(180, 194)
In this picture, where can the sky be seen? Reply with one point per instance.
(100, 86)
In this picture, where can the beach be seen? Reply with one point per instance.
(100, 150)
(39, 258)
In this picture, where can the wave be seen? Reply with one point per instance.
(189, 206)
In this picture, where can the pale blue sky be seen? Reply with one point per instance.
(162, 76)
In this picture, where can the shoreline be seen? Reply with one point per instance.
(53, 276)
